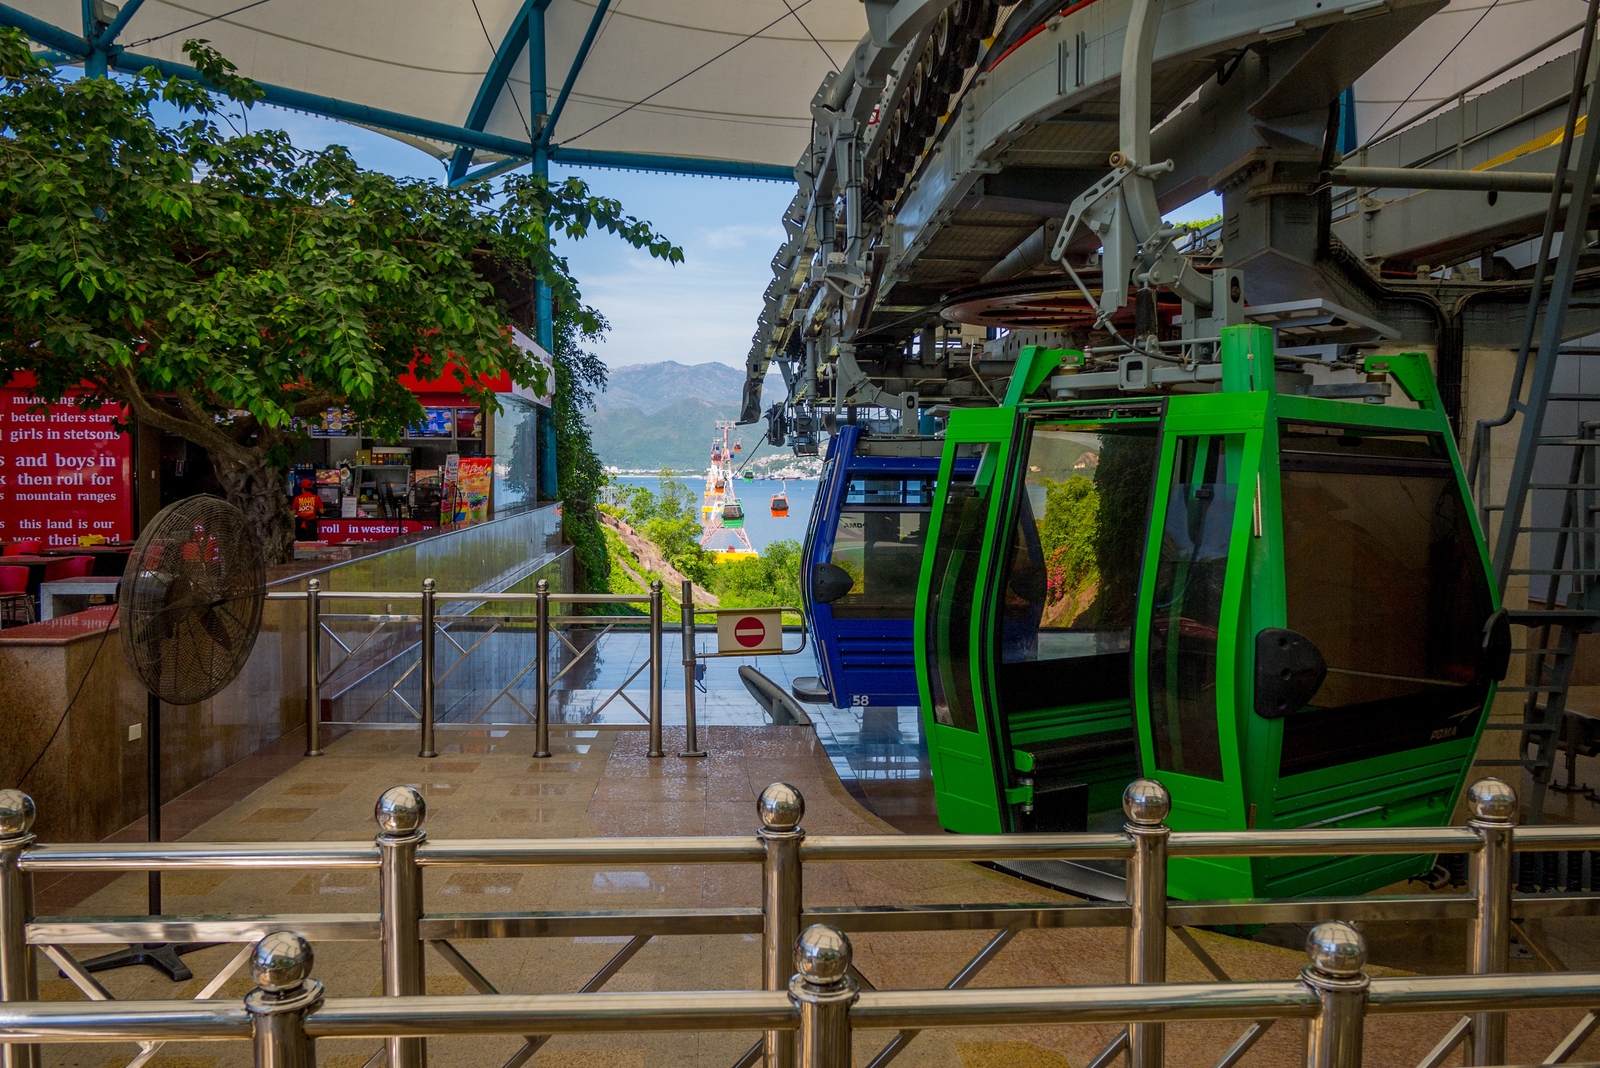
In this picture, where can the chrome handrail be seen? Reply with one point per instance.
(544, 623)
(428, 618)
(821, 1007)
(400, 852)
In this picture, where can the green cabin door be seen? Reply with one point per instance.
(962, 747)
(1187, 687)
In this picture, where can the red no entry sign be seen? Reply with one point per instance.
(749, 631)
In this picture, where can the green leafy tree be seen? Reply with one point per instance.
(771, 580)
(229, 287)
(670, 518)
(579, 476)
(1069, 538)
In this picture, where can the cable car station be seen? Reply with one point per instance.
(1195, 657)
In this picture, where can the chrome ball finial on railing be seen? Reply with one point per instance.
(400, 810)
(1336, 949)
(781, 807)
(1146, 801)
(16, 813)
(1491, 799)
(822, 954)
(281, 962)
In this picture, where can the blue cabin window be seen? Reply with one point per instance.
(882, 526)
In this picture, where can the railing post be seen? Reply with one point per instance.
(400, 812)
(284, 993)
(17, 982)
(823, 991)
(1494, 805)
(541, 671)
(313, 668)
(781, 808)
(428, 751)
(691, 734)
(655, 669)
(1146, 803)
(1338, 954)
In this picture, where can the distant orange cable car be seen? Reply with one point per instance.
(738, 447)
(780, 506)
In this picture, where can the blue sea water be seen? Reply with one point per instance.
(759, 523)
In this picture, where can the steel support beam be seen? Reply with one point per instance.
(644, 161)
(539, 105)
(109, 37)
(45, 33)
(344, 109)
(1439, 178)
(578, 60)
(494, 83)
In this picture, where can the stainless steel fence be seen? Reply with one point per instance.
(812, 999)
(421, 657)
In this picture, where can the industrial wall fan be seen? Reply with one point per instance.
(189, 609)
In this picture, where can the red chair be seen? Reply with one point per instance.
(71, 567)
(26, 547)
(15, 604)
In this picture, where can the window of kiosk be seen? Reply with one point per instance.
(1382, 573)
(1191, 566)
(879, 540)
(1071, 586)
(951, 604)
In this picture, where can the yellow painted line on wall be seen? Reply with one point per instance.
(1539, 143)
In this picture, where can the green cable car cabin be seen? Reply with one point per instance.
(1278, 605)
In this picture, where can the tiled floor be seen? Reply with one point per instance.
(600, 783)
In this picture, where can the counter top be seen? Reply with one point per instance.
(90, 623)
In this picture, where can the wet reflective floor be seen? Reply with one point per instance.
(879, 754)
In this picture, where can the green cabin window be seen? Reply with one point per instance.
(1382, 573)
(879, 541)
(1071, 587)
(950, 605)
(1190, 569)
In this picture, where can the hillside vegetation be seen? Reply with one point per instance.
(669, 523)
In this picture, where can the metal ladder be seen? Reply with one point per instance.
(1570, 607)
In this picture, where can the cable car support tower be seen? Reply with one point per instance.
(723, 510)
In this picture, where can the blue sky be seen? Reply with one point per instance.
(702, 309)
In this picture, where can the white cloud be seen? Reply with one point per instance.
(743, 235)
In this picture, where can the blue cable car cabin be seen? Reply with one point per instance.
(860, 563)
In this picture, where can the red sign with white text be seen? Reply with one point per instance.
(64, 472)
(339, 531)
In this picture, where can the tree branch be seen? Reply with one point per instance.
(209, 438)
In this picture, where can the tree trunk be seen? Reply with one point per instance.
(256, 488)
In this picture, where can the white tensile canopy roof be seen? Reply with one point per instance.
(698, 80)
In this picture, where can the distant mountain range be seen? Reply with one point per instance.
(656, 415)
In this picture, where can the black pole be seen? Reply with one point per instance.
(152, 770)
(162, 956)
